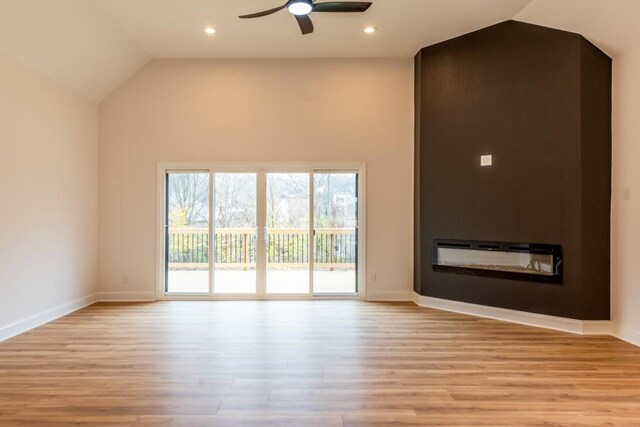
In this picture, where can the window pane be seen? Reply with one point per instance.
(235, 231)
(335, 239)
(188, 232)
(287, 249)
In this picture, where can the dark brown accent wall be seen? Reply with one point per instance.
(539, 101)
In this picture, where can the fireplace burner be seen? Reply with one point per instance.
(518, 261)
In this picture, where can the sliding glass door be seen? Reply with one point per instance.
(335, 233)
(260, 233)
(236, 233)
(287, 233)
(187, 232)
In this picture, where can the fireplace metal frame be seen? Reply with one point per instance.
(531, 248)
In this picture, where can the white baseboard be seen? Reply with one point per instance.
(597, 327)
(630, 335)
(45, 316)
(388, 296)
(126, 296)
(582, 327)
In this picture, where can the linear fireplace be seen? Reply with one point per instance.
(520, 261)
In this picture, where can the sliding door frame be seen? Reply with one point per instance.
(261, 169)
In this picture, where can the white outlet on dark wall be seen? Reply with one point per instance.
(486, 160)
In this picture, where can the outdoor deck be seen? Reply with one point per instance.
(287, 257)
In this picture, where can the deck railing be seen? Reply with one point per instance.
(237, 247)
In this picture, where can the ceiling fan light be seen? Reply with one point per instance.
(301, 7)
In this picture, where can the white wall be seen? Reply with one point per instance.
(267, 110)
(625, 257)
(48, 202)
(260, 111)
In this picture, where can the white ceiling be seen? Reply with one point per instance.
(70, 41)
(173, 28)
(613, 25)
(93, 46)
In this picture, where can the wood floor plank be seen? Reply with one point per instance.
(317, 363)
(243, 420)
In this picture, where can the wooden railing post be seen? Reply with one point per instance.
(331, 248)
(244, 252)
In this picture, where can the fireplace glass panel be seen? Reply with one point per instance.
(512, 262)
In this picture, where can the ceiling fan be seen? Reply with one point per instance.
(300, 9)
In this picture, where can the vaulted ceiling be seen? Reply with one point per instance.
(612, 25)
(93, 46)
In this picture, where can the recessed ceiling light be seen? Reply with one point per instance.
(370, 30)
(210, 30)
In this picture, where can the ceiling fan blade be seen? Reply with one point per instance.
(263, 13)
(342, 6)
(306, 26)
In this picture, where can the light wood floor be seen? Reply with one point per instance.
(310, 363)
